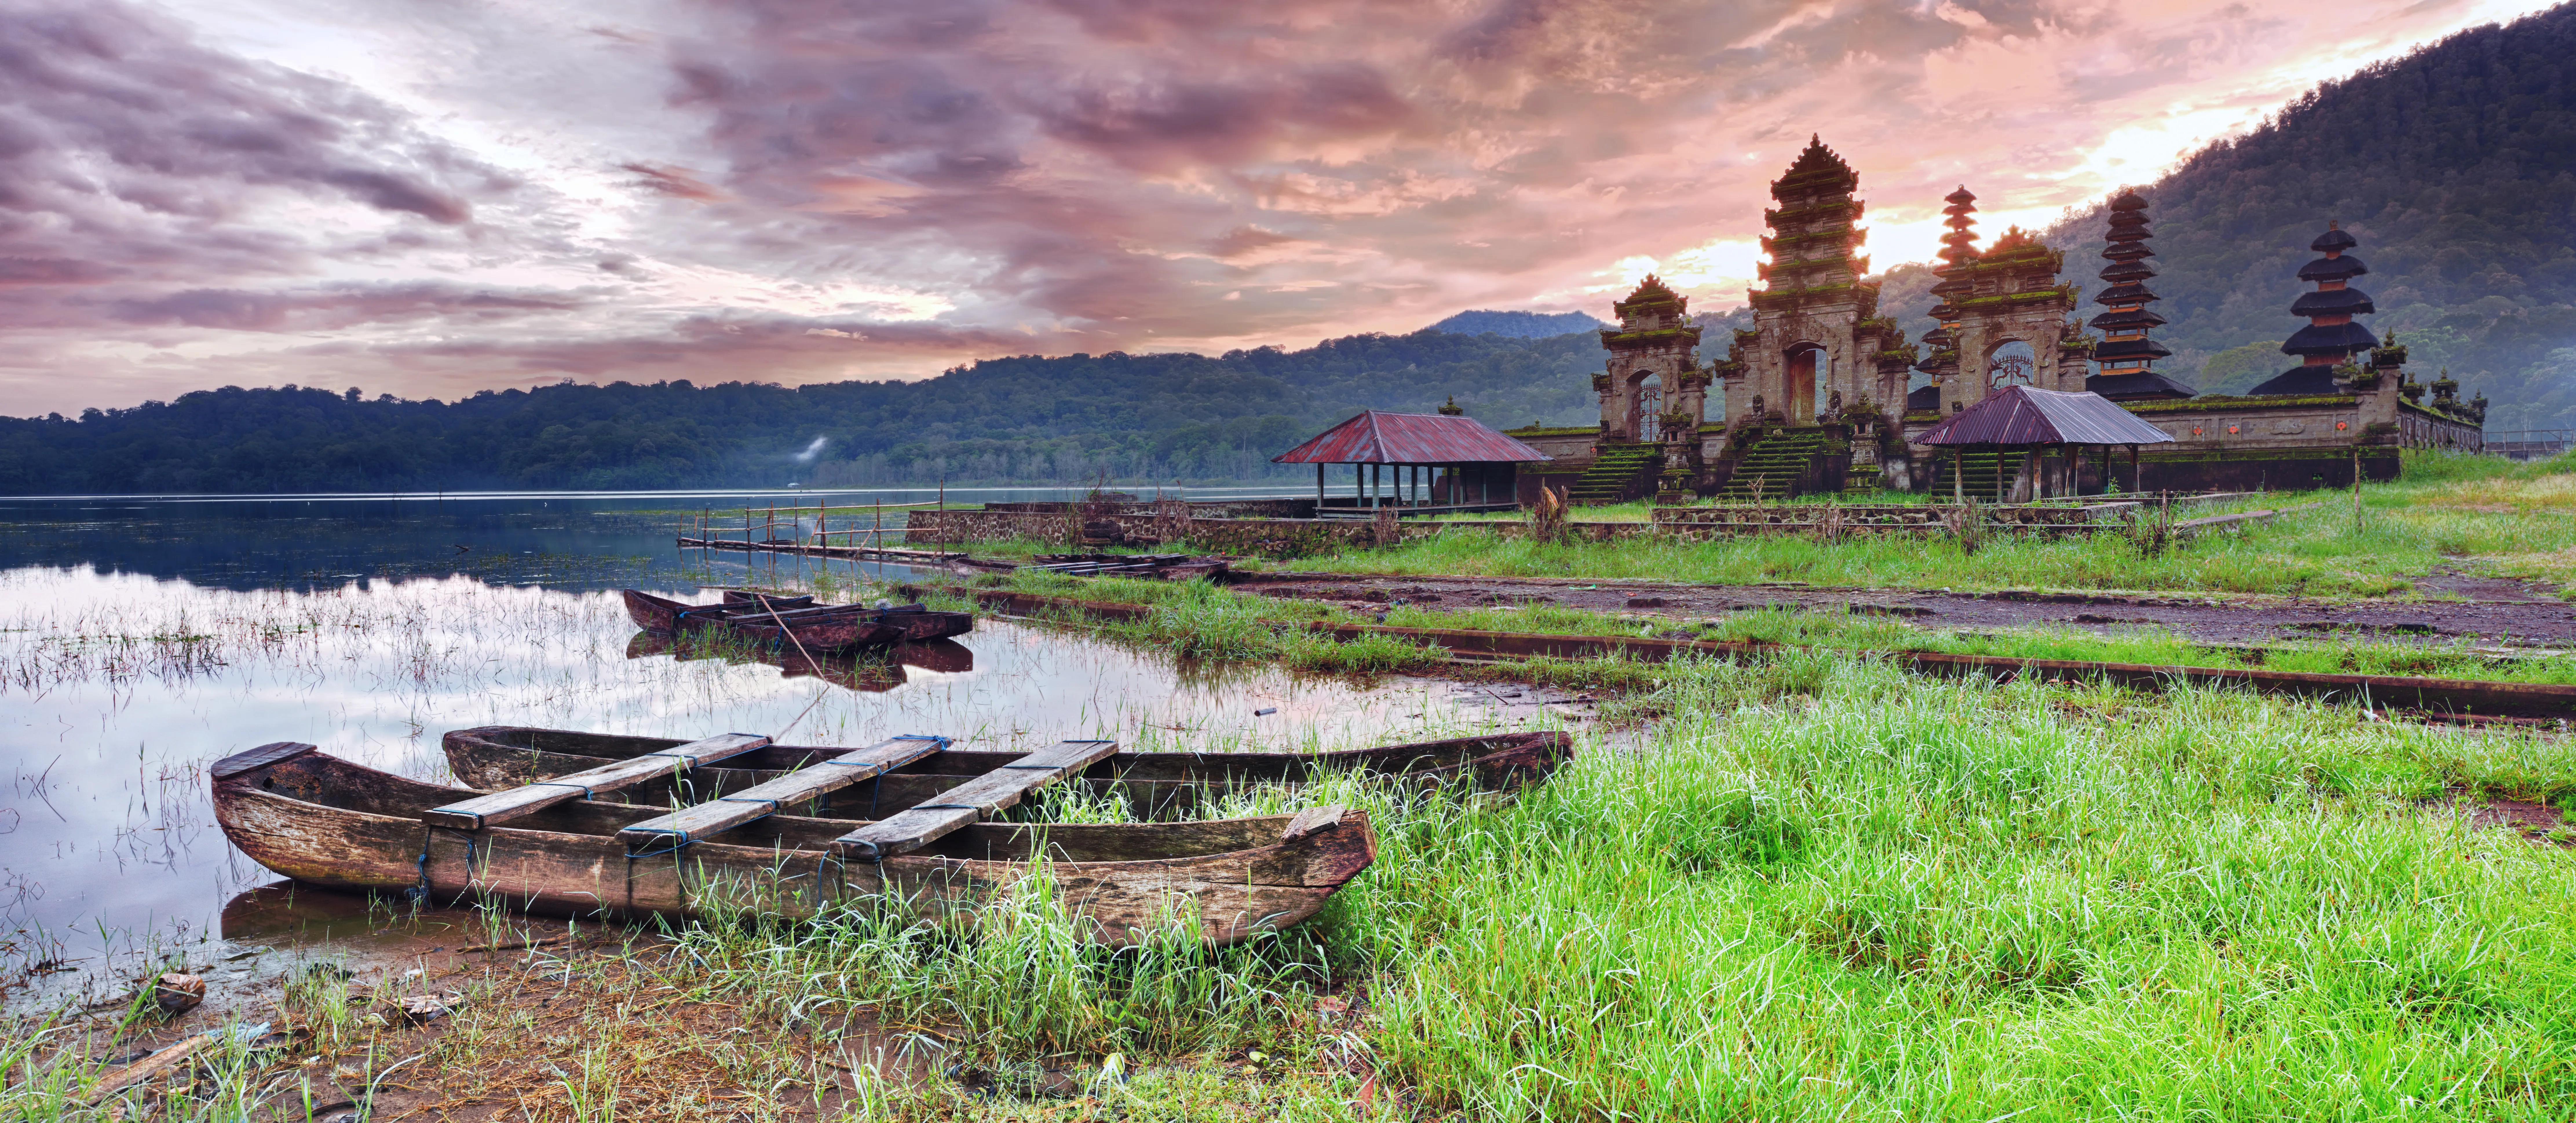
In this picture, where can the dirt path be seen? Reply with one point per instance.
(2493, 611)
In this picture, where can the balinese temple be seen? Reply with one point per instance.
(1958, 249)
(2126, 354)
(1815, 394)
(2331, 337)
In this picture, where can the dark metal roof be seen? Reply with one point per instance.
(2299, 380)
(2121, 350)
(1409, 438)
(2124, 321)
(2328, 339)
(2020, 415)
(2336, 302)
(2145, 384)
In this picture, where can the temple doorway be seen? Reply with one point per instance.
(1649, 425)
(1808, 370)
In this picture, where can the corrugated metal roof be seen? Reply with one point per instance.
(2020, 415)
(1409, 438)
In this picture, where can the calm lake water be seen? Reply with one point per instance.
(141, 639)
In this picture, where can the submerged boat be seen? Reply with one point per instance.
(1154, 785)
(566, 846)
(873, 670)
(797, 622)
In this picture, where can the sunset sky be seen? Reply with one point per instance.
(436, 197)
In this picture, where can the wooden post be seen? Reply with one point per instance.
(1958, 474)
(1319, 489)
(2136, 483)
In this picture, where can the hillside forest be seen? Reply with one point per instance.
(2454, 165)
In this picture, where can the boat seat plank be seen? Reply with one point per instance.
(485, 810)
(971, 802)
(723, 813)
(275, 752)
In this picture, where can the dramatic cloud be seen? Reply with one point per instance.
(438, 200)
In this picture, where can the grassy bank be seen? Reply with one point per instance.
(1196, 620)
(2484, 513)
(1820, 889)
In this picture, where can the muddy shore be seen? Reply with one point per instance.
(2454, 607)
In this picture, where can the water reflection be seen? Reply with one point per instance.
(116, 689)
(876, 670)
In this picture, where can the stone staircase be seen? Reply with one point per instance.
(1776, 463)
(1619, 474)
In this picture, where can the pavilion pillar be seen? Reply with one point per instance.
(1319, 489)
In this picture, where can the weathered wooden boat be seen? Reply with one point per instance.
(798, 622)
(1154, 785)
(565, 847)
(875, 670)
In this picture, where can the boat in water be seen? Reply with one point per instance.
(569, 846)
(797, 623)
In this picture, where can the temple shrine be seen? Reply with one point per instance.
(1815, 396)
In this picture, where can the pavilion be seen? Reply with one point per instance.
(2034, 422)
(1424, 462)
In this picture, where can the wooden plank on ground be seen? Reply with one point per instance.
(486, 810)
(971, 802)
(688, 825)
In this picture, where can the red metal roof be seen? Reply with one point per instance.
(2020, 415)
(1409, 438)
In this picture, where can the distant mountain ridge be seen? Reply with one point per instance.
(1518, 325)
(2456, 168)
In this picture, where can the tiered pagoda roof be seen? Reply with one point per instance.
(1958, 248)
(2331, 337)
(2125, 352)
(1813, 245)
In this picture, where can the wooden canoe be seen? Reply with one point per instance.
(1155, 785)
(798, 622)
(873, 671)
(328, 822)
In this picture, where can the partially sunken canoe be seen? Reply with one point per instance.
(328, 822)
(1155, 785)
(798, 622)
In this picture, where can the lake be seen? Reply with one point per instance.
(143, 638)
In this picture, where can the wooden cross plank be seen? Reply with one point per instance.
(971, 802)
(527, 799)
(682, 827)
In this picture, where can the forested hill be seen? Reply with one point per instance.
(1135, 418)
(2455, 166)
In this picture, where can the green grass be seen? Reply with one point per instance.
(1891, 899)
(1196, 620)
(1817, 887)
(2511, 519)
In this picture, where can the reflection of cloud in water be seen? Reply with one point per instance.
(117, 689)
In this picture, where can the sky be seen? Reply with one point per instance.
(429, 198)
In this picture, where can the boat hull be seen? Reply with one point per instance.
(335, 824)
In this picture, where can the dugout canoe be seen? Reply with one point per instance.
(1154, 785)
(798, 622)
(874, 671)
(339, 825)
